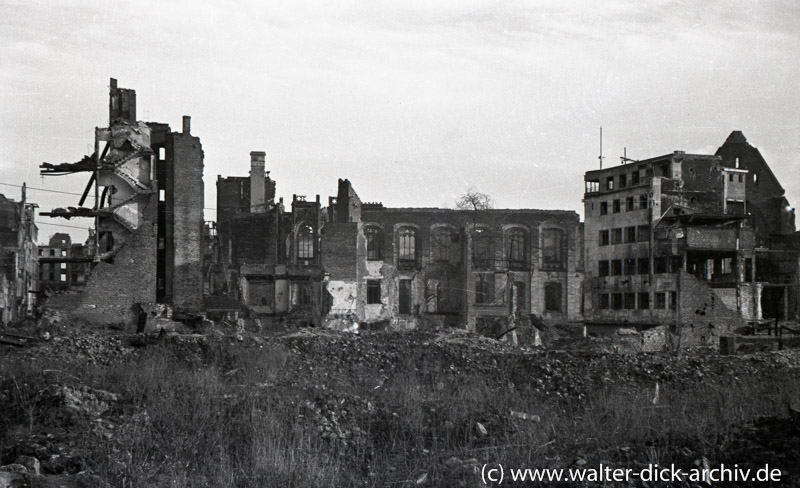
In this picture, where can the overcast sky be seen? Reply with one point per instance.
(413, 101)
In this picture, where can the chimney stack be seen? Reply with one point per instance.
(257, 177)
(187, 125)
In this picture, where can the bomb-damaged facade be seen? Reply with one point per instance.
(147, 187)
(701, 243)
(495, 271)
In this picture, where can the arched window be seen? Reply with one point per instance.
(407, 245)
(443, 244)
(374, 247)
(305, 242)
(482, 249)
(515, 247)
(553, 249)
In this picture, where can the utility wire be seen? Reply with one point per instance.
(64, 192)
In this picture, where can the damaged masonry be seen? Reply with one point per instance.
(688, 247)
(148, 193)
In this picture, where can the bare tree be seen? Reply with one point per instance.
(474, 200)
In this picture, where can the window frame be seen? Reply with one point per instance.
(305, 240)
(374, 236)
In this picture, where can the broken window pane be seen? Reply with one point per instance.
(553, 249)
(515, 248)
(374, 248)
(483, 249)
(408, 244)
(305, 242)
(442, 244)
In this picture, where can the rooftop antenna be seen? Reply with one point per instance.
(624, 158)
(601, 147)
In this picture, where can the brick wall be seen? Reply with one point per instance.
(187, 219)
(114, 288)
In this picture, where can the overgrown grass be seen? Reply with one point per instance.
(224, 417)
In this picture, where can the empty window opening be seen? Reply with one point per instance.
(603, 268)
(604, 237)
(484, 288)
(483, 249)
(630, 301)
(442, 244)
(643, 233)
(604, 301)
(660, 300)
(630, 234)
(515, 247)
(553, 242)
(374, 248)
(617, 206)
(644, 300)
(603, 208)
(552, 297)
(373, 292)
(404, 297)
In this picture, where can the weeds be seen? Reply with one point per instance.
(224, 416)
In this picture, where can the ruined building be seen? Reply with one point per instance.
(19, 281)
(148, 211)
(490, 270)
(268, 258)
(60, 274)
(683, 239)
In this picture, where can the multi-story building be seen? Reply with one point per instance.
(19, 276)
(490, 270)
(148, 210)
(63, 264)
(674, 240)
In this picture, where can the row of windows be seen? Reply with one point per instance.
(630, 204)
(625, 235)
(635, 177)
(641, 301)
(444, 246)
(633, 266)
(484, 292)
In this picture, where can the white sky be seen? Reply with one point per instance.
(413, 101)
